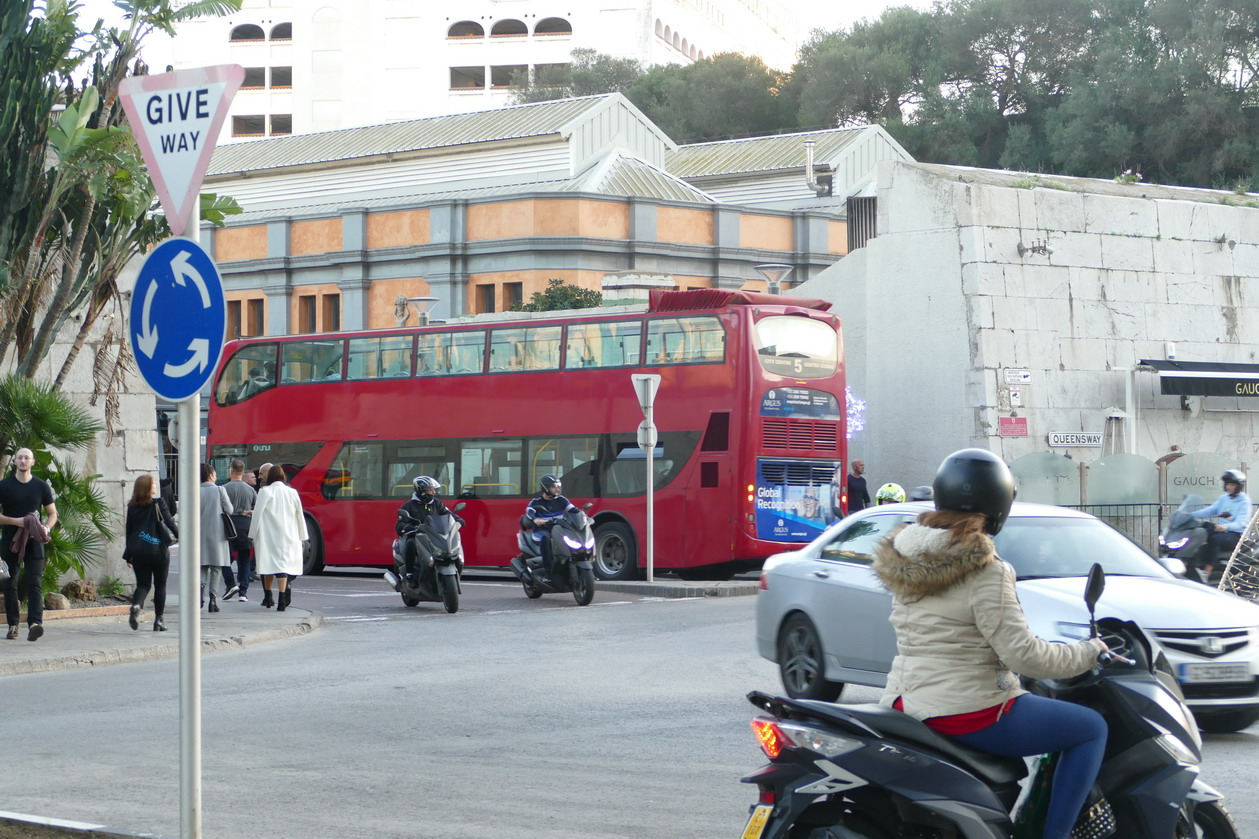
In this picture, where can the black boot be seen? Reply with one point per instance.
(281, 600)
(134, 620)
(214, 604)
(158, 625)
(288, 597)
(267, 602)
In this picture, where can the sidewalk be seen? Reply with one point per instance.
(103, 636)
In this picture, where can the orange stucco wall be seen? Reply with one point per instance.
(394, 230)
(517, 219)
(318, 291)
(531, 282)
(315, 236)
(769, 232)
(380, 297)
(837, 237)
(235, 243)
(685, 283)
(685, 227)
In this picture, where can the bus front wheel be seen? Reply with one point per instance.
(312, 548)
(616, 552)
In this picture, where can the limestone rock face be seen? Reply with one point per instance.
(80, 590)
(54, 601)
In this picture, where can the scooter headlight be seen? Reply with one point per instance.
(1177, 749)
(575, 544)
(1177, 545)
(590, 544)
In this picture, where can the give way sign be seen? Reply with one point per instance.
(176, 118)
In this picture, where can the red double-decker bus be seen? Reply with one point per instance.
(750, 412)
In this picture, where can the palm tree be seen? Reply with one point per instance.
(42, 419)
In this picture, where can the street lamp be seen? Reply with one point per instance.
(774, 273)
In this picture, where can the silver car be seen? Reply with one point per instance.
(822, 615)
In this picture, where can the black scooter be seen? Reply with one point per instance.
(572, 553)
(438, 564)
(1185, 538)
(871, 772)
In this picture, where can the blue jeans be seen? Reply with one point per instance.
(1036, 725)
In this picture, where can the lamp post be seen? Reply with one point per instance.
(646, 385)
(774, 273)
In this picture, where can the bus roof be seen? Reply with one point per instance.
(716, 298)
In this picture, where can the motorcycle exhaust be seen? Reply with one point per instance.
(518, 568)
(392, 580)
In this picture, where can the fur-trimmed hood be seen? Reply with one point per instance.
(917, 561)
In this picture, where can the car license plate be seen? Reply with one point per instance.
(1215, 672)
(756, 824)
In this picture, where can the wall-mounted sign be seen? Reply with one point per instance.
(1075, 438)
(1012, 426)
(1014, 376)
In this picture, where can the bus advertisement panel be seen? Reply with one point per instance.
(749, 412)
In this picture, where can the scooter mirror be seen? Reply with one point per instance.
(460, 506)
(1093, 592)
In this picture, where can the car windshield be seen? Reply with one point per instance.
(1068, 547)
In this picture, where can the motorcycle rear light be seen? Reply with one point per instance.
(770, 737)
(767, 796)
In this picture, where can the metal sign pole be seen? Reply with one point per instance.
(189, 413)
(651, 507)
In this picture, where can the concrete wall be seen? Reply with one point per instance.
(944, 304)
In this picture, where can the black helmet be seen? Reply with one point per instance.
(976, 481)
(923, 493)
(424, 483)
(550, 484)
(1234, 476)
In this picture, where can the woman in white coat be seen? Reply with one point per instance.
(278, 530)
(214, 550)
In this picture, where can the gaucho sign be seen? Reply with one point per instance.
(1205, 378)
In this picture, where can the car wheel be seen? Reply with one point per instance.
(801, 662)
(1228, 721)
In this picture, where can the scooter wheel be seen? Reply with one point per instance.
(532, 592)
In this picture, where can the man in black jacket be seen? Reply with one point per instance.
(858, 493)
(542, 511)
(424, 502)
(22, 493)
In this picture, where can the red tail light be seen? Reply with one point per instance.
(767, 796)
(769, 736)
(764, 585)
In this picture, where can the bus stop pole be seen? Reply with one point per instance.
(189, 412)
(651, 507)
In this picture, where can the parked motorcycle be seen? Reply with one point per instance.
(572, 553)
(871, 772)
(1185, 538)
(438, 564)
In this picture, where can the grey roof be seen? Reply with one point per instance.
(622, 174)
(512, 123)
(758, 154)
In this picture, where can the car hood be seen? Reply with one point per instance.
(1152, 602)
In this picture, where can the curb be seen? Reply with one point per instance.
(99, 658)
(39, 827)
(680, 588)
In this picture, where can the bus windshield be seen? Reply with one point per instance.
(795, 346)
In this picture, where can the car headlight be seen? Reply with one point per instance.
(1177, 545)
(1077, 631)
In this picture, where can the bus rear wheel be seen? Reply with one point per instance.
(312, 548)
(616, 552)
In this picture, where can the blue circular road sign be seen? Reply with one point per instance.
(178, 319)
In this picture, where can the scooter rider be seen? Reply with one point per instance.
(961, 634)
(543, 509)
(1233, 507)
(424, 502)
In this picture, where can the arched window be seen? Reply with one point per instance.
(553, 26)
(247, 32)
(694, 52)
(668, 34)
(686, 46)
(466, 29)
(282, 32)
(677, 41)
(508, 28)
(659, 28)
(701, 55)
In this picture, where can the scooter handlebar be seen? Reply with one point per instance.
(1111, 657)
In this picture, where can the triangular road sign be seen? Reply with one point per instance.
(176, 118)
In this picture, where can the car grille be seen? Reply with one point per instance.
(811, 435)
(1232, 690)
(1206, 644)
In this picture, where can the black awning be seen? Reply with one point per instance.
(1205, 378)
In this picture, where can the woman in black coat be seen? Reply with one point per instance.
(150, 531)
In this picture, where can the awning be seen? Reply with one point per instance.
(1205, 378)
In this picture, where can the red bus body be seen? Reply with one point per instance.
(751, 458)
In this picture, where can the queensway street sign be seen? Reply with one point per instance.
(178, 319)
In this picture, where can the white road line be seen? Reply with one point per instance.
(356, 618)
(614, 603)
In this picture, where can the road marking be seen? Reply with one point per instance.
(614, 603)
(503, 612)
(356, 619)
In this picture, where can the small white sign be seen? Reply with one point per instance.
(1017, 377)
(176, 118)
(1091, 439)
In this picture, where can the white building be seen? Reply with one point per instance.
(318, 65)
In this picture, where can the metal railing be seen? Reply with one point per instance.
(1142, 523)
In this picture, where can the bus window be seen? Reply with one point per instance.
(450, 353)
(358, 471)
(310, 361)
(379, 358)
(796, 346)
(685, 340)
(513, 350)
(571, 459)
(409, 459)
(616, 344)
(250, 370)
(490, 468)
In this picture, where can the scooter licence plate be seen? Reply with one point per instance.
(756, 824)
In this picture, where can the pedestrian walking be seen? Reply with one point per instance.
(858, 492)
(279, 529)
(150, 531)
(214, 549)
(22, 540)
(242, 496)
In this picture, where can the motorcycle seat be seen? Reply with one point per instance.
(994, 769)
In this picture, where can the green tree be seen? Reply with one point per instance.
(560, 295)
(40, 418)
(588, 73)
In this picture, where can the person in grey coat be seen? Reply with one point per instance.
(214, 548)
